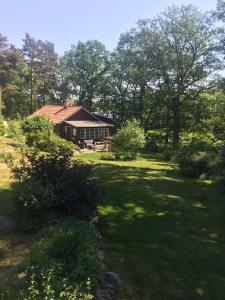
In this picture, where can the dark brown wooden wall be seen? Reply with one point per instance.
(81, 116)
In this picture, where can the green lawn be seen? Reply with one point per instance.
(13, 245)
(164, 234)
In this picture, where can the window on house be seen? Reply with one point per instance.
(65, 128)
(74, 131)
(106, 132)
(82, 133)
(97, 133)
(87, 136)
(92, 133)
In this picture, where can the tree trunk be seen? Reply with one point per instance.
(176, 121)
(141, 103)
(31, 89)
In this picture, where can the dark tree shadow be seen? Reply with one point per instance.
(164, 233)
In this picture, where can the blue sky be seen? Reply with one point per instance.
(65, 22)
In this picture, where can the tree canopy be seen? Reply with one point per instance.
(159, 73)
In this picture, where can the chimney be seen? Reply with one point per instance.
(66, 103)
(69, 101)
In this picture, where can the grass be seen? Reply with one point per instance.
(13, 245)
(164, 234)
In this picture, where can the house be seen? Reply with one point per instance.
(77, 124)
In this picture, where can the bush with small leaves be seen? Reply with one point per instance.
(6, 158)
(130, 139)
(39, 135)
(37, 131)
(107, 156)
(66, 186)
(71, 247)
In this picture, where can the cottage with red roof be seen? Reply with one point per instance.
(76, 123)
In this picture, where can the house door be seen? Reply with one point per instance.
(69, 133)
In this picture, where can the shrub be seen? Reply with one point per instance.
(197, 164)
(6, 158)
(39, 135)
(34, 202)
(65, 180)
(154, 140)
(198, 141)
(37, 131)
(45, 285)
(130, 139)
(57, 141)
(107, 156)
(71, 247)
(194, 165)
(14, 129)
(2, 127)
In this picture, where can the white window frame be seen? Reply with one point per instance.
(106, 132)
(87, 133)
(94, 133)
(74, 131)
(82, 133)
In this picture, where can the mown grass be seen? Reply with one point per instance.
(164, 234)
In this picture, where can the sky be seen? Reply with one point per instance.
(65, 22)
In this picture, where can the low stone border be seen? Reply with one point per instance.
(111, 283)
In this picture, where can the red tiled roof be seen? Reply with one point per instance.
(56, 113)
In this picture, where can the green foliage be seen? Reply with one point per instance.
(13, 129)
(71, 247)
(56, 142)
(54, 184)
(107, 156)
(42, 63)
(34, 202)
(39, 135)
(85, 68)
(6, 158)
(199, 141)
(154, 140)
(43, 286)
(37, 131)
(196, 164)
(2, 127)
(130, 139)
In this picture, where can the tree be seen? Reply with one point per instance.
(13, 72)
(3, 64)
(166, 63)
(84, 68)
(43, 62)
(48, 77)
(130, 139)
(182, 48)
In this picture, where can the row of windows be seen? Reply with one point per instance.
(91, 133)
(74, 130)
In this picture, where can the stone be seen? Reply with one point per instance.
(110, 286)
(113, 279)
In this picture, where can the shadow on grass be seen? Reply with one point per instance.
(7, 207)
(164, 233)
